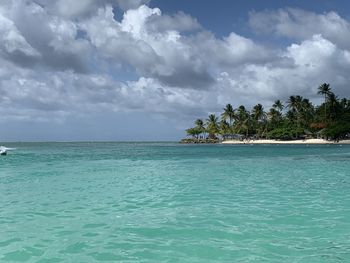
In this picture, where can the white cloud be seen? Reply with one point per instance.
(180, 22)
(174, 58)
(73, 8)
(309, 63)
(300, 24)
(11, 40)
(71, 64)
(167, 56)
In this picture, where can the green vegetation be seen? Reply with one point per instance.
(298, 118)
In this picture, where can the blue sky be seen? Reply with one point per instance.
(131, 70)
(225, 16)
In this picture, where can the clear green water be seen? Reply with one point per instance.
(165, 202)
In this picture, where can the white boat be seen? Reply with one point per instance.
(3, 150)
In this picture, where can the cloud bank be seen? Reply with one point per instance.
(60, 59)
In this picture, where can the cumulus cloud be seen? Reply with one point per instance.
(161, 50)
(179, 22)
(58, 61)
(31, 37)
(165, 55)
(300, 24)
(12, 44)
(308, 64)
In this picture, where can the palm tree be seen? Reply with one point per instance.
(276, 112)
(200, 125)
(274, 117)
(332, 117)
(241, 112)
(243, 120)
(212, 126)
(291, 116)
(224, 128)
(292, 105)
(229, 113)
(278, 105)
(258, 112)
(325, 90)
(259, 117)
(301, 105)
(306, 112)
(194, 132)
(334, 106)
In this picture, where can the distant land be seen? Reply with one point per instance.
(295, 121)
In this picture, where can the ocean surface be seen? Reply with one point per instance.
(166, 202)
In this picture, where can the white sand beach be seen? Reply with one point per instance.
(265, 141)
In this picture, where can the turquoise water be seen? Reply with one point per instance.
(165, 202)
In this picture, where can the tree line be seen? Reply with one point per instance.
(296, 118)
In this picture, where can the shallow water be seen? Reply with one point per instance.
(165, 202)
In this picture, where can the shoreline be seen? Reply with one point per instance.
(265, 141)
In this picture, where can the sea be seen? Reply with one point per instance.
(169, 202)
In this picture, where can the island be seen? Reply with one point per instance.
(297, 121)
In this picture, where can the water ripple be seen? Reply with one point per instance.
(164, 202)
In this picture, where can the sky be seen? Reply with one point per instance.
(144, 70)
